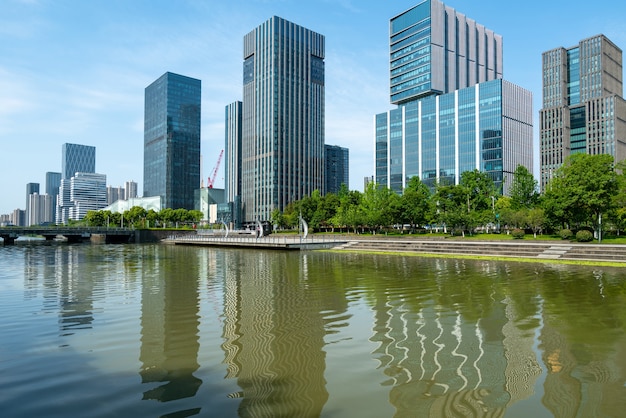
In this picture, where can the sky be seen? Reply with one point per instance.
(74, 71)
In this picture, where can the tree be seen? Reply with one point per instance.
(535, 219)
(583, 189)
(524, 189)
(414, 203)
(379, 204)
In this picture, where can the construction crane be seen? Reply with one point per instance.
(211, 179)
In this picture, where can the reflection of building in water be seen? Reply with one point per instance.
(65, 286)
(581, 381)
(445, 359)
(169, 322)
(274, 335)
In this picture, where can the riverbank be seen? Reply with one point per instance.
(553, 251)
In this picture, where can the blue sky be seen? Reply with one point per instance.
(75, 70)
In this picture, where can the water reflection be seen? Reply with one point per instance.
(274, 335)
(169, 323)
(249, 333)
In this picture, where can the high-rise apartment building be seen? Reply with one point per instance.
(336, 160)
(282, 146)
(583, 109)
(130, 190)
(171, 160)
(455, 113)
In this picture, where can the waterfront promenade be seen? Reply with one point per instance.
(523, 249)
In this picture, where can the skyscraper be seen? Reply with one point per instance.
(583, 107)
(433, 49)
(171, 161)
(282, 147)
(336, 160)
(232, 163)
(455, 113)
(31, 188)
(53, 183)
(77, 158)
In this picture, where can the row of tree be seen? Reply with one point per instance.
(142, 218)
(586, 191)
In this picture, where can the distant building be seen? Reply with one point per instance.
(87, 191)
(40, 209)
(114, 194)
(282, 146)
(53, 183)
(583, 106)
(232, 163)
(206, 201)
(455, 113)
(75, 158)
(171, 164)
(336, 160)
(31, 188)
(130, 190)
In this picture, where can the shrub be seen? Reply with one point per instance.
(566, 234)
(584, 236)
(518, 233)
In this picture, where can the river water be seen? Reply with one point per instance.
(170, 331)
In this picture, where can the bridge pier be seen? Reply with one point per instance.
(8, 240)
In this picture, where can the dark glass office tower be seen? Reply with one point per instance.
(171, 160)
(337, 168)
(282, 149)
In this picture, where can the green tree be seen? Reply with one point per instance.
(135, 215)
(583, 189)
(414, 203)
(379, 203)
(524, 189)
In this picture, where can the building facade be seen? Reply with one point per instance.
(433, 49)
(171, 167)
(455, 112)
(232, 160)
(282, 147)
(88, 191)
(486, 127)
(583, 109)
(77, 158)
(336, 160)
(130, 190)
(31, 188)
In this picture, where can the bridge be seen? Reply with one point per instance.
(72, 234)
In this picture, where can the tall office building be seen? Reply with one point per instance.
(583, 107)
(336, 160)
(282, 147)
(75, 158)
(436, 50)
(232, 162)
(31, 188)
(171, 160)
(53, 183)
(455, 113)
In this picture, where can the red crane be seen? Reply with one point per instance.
(211, 179)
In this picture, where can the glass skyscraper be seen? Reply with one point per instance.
(76, 158)
(337, 168)
(433, 49)
(171, 161)
(485, 127)
(455, 113)
(282, 147)
(583, 107)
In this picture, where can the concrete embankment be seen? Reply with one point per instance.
(547, 250)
